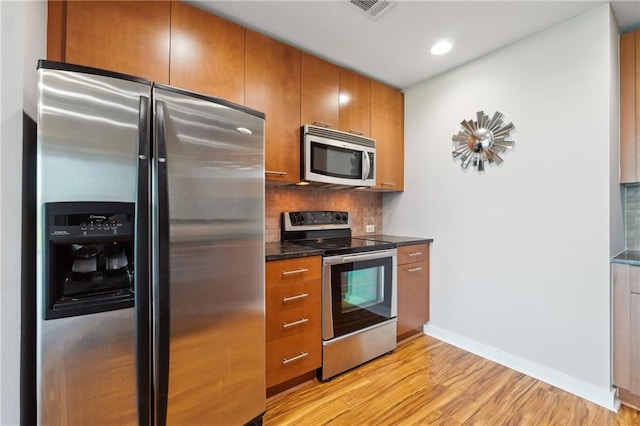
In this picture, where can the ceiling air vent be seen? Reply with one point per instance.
(372, 8)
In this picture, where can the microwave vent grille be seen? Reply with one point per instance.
(372, 8)
(337, 135)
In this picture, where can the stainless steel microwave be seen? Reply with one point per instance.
(333, 157)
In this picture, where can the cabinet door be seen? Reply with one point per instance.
(355, 103)
(626, 327)
(272, 85)
(634, 331)
(129, 37)
(320, 90)
(621, 325)
(629, 110)
(413, 297)
(387, 128)
(207, 53)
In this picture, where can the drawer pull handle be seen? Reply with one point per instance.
(296, 271)
(416, 253)
(296, 297)
(291, 324)
(388, 184)
(295, 358)
(356, 132)
(273, 172)
(414, 269)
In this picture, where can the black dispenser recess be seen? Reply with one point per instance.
(89, 248)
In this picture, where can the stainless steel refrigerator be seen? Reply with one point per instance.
(150, 253)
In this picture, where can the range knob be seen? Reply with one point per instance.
(297, 218)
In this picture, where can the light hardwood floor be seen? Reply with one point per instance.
(428, 382)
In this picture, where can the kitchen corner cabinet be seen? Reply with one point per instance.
(355, 103)
(293, 305)
(626, 332)
(630, 107)
(207, 53)
(126, 37)
(320, 90)
(272, 85)
(413, 289)
(387, 128)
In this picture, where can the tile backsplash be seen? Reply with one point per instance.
(632, 217)
(365, 207)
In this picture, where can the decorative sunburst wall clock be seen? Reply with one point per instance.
(482, 140)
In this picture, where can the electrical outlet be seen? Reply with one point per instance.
(370, 228)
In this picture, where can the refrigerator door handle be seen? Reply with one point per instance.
(142, 268)
(161, 281)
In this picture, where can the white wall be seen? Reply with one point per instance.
(23, 41)
(520, 259)
(617, 195)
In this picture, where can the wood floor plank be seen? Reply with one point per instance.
(428, 382)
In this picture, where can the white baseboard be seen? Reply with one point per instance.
(603, 397)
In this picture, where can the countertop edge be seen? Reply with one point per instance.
(627, 257)
(281, 251)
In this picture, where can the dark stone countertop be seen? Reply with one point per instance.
(397, 240)
(279, 250)
(629, 257)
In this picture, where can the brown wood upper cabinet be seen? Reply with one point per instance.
(272, 85)
(355, 103)
(126, 37)
(207, 53)
(320, 90)
(387, 128)
(630, 107)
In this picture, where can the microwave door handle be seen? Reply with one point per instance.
(365, 165)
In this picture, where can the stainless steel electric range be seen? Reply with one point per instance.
(359, 293)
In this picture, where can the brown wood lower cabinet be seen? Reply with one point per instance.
(293, 356)
(413, 289)
(294, 342)
(626, 332)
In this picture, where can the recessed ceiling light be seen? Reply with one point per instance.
(441, 47)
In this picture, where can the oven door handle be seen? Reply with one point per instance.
(367, 256)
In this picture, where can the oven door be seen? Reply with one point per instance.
(359, 290)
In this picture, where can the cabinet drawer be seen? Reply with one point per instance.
(634, 277)
(413, 253)
(292, 321)
(280, 272)
(293, 295)
(293, 356)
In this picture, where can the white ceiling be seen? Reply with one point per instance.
(395, 47)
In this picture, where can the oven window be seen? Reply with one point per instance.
(362, 288)
(361, 294)
(334, 161)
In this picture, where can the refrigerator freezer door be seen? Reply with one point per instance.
(87, 151)
(209, 178)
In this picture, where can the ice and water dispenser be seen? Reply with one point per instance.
(88, 258)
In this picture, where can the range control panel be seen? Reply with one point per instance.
(318, 217)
